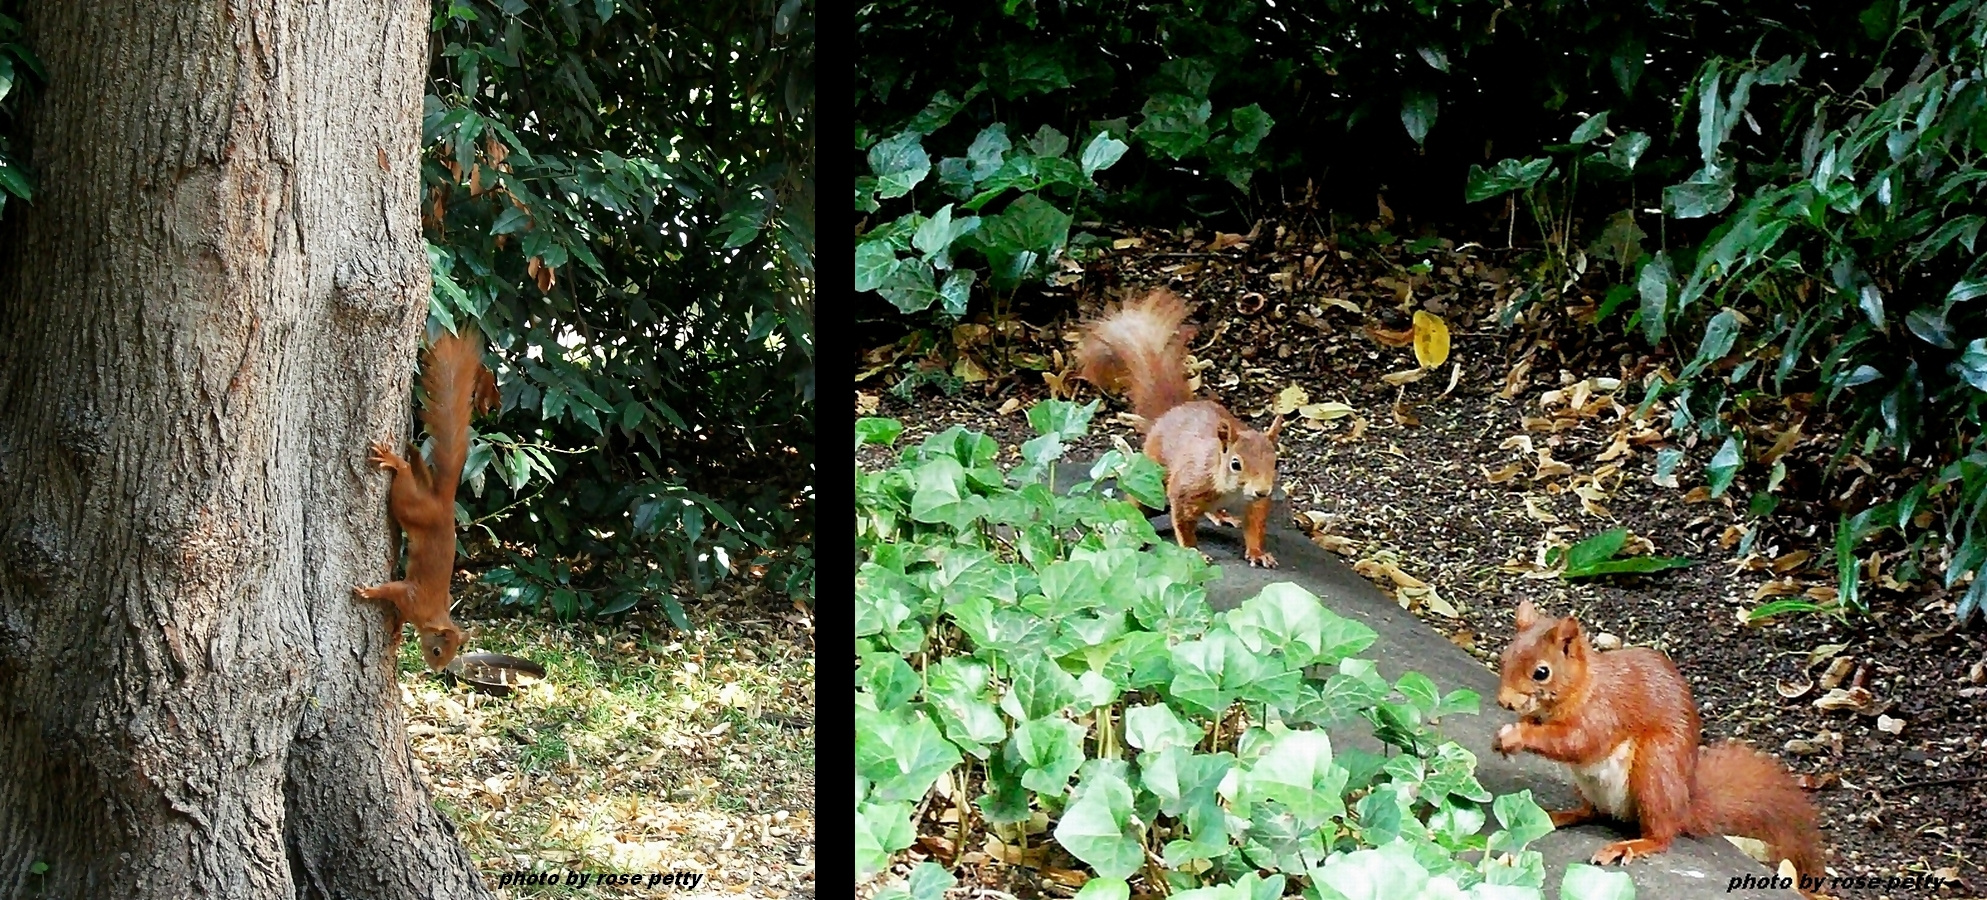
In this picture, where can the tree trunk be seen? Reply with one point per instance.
(210, 308)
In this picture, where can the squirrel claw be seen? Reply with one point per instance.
(381, 455)
(1507, 739)
(1617, 852)
(1263, 559)
(1223, 517)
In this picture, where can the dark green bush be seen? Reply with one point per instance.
(1843, 205)
(623, 193)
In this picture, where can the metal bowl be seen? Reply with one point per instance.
(495, 673)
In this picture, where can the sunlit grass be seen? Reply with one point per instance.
(641, 751)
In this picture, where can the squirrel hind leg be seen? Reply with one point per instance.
(1583, 813)
(1623, 851)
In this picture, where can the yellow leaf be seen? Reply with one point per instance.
(1324, 412)
(1289, 399)
(1431, 339)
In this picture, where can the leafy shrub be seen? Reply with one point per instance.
(1021, 243)
(17, 65)
(623, 194)
(1840, 257)
(1055, 651)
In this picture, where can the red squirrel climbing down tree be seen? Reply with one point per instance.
(1214, 463)
(1625, 724)
(422, 499)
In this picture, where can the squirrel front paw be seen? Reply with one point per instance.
(381, 455)
(1508, 741)
(1261, 558)
(1223, 517)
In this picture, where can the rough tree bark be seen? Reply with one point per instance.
(209, 309)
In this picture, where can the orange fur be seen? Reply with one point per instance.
(1625, 724)
(422, 499)
(1214, 462)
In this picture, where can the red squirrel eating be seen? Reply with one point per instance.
(1624, 723)
(422, 498)
(1214, 463)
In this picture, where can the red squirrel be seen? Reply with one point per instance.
(1214, 462)
(1624, 723)
(422, 499)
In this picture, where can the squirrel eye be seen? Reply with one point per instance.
(1235, 464)
(1541, 673)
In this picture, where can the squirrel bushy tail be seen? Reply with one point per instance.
(1740, 791)
(457, 386)
(1139, 348)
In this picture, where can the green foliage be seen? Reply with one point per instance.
(18, 65)
(622, 192)
(1052, 652)
(1597, 556)
(1825, 203)
(947, 252)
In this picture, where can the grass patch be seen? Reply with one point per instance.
(645, 749)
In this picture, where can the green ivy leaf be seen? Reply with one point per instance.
(1657, 284)
(1523, 819)
(899, 163)
(988, 152)
(1507, 176)
(1282, 618)
(1297, 771)
(871, 430)
(876, 262)
(1627, 150)
(1418, 109)
(1590, 129)
(1100, 830)
(1174, 124)
(1697, 198)
(901, 752)
(1587, 882)
(1048, 752)
(1039, 688)
(1723, 466)
(1101, 153)
(1155, 728)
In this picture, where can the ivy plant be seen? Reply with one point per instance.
(1047, 653)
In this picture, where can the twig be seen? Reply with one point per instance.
(1939, 782)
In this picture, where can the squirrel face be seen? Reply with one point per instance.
(439, 647)
(1248, 459)
(1546, 658)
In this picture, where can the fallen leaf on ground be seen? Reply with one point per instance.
(1431, 339)
(1290, 399)
(1324, 412)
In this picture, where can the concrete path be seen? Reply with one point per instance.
(1690, 869)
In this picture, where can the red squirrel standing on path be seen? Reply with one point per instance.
(1214, 463)
(422, 499)
(1624, 723)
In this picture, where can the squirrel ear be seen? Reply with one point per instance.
(1275, 425)
(1565, 633)
(1224, 433)
(1527, 615)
